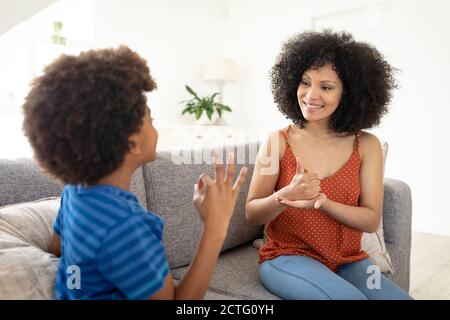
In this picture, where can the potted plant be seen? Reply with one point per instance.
(205, 109)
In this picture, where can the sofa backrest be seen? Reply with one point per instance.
(170, 183)
(22, 180)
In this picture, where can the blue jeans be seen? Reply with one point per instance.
(304, 278)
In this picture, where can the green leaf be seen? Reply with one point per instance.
(198, 113)
(208, 105)
(209, 113)
(189, 89)
(187, 109)
(214, 95)
(219, 112)
(226, 108)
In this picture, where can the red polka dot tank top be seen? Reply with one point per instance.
(311, 232)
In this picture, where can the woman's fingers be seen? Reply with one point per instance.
(314, 183)
(314, 191)
(320, 201)
(302, 204)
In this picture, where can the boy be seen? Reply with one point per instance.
(89, 125)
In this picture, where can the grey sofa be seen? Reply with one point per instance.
(165, 187)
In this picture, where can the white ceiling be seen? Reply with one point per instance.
(13, 12)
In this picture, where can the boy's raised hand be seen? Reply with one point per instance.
(215, 199)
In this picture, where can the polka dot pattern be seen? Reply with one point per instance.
(311, 232)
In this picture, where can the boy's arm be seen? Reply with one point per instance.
(215, 200)
(55, 245)
(195, 283)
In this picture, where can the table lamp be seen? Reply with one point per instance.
(220, 70)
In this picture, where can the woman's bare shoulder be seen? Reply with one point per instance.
(368, 143)
(276, 142)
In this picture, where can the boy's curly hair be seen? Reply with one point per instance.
(367, 78)
(80, 113)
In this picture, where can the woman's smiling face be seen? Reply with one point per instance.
(319, 93)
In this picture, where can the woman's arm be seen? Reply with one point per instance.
(367, 216)
(263, 204)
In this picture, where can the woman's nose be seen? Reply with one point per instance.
(312, 93)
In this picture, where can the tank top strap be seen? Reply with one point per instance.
(284, 132)
(357, 140)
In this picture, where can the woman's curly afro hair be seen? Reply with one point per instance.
(81, 112)
(367, 78)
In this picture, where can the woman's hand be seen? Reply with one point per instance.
(304, 186)
(215, 199)
(315, 203)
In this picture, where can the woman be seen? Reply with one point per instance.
(327, 186)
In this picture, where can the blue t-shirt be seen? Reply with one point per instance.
(111, 246)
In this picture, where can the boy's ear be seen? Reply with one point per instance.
(133, 145)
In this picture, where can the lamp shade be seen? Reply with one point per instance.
(220, 69)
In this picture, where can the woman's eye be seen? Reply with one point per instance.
(326, 88)
(305, 83)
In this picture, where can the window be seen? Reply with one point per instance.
(26, 50)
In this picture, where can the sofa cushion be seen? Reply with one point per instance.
(27, 271)
(170, 187)
(236, 275)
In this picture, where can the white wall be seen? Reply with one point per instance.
(412, 35)
(176, 37)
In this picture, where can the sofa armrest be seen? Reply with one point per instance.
(397, 213)
(397, 209)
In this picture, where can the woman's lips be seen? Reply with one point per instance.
(313, 107)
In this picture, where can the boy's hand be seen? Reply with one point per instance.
(304, 186)
(215, 199)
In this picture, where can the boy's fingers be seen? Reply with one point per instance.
(202, 183)
(195, 194)
(218, 168)
(240, 180)
(230, 169)
(205, 181)
(196, 197)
